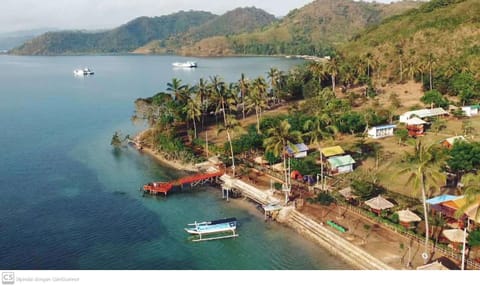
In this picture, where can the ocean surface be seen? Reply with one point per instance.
(69, 201)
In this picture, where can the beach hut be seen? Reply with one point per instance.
(436, 265)
(347, 193)
(448, 143)
(456, 236)
(378, 204)
(415, 126)
(422, 113)
(300, 150)
(381, 131)
(407, 218)
(340, 164)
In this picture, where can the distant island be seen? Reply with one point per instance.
(315, 29)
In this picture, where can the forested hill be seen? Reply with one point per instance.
(125, 38)
(441, 34)
(313, 29)
(237, 21)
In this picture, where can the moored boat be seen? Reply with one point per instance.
(188, 64)
(214, 227)
(83, 72)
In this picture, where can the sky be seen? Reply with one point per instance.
(17, 15)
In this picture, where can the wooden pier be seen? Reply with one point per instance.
(156, 188)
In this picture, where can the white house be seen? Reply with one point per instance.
(471, 110)
(341, 164)
(422, 113)
(381, 131)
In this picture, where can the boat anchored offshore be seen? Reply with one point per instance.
(215, 229)
(83, 72)
(185, 65)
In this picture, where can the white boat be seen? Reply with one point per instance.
(213, 227)
(83, 72)
(189, 64)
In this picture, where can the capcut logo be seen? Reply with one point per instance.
(8, 278)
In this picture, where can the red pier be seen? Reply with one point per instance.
(156, 188)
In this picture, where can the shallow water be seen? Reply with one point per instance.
(71, 202)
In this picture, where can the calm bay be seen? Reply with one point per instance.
(69, 201)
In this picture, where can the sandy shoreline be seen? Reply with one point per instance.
(249, 206)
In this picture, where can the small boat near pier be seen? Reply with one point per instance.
(212, 230)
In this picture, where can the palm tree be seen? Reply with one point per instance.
(177, 89)
(256, 99)
(317, 69)
(278, 138)
(331, 68)
(223, 98)
(430, 62)
(230, 124)
(243, 85)
(193, 111)
(275, 76)
(423, 168)
(202, 92)
(316, 131)
(471, 191)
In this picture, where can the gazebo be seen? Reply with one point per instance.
(378, 204)
(456, 236)
(348, 194)
(407, 217)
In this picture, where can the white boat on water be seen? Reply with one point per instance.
(213, 227)
(188, 64)
(83, 72)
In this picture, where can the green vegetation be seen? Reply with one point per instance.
(123, 39)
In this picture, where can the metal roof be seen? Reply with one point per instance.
(332, 151)
(338, 161)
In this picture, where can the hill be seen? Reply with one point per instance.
(125, 38)
(237, 21)
(313, 29)
(442, 34)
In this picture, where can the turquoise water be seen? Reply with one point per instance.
(68, 201)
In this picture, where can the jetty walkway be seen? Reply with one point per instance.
(156, 188)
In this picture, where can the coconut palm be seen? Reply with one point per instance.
(317, 69)
(423, 168)
(430, 62)
(193, 111)
(177, 89)
(278, 138)
(331, 68)
(257, 99)
(222, 96)
(316, 131)
(471, 191)
(243, 85)
(230, 124)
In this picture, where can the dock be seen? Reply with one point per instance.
(156, 188)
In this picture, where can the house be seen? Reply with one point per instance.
(448, 143)
(471, 110)
(340, 164)
(381, 131)
(299, 152)
(332, 151)
(415, 126)
(422, 113)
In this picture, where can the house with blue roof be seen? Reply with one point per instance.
(299, 151)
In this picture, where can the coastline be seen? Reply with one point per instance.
(304, 225)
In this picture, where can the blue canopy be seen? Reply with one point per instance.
(441, 199)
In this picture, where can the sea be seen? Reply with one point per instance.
(69, 201)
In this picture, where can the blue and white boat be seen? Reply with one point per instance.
(222, 227)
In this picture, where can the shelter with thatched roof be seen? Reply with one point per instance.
(378, 204)
(407, 218)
